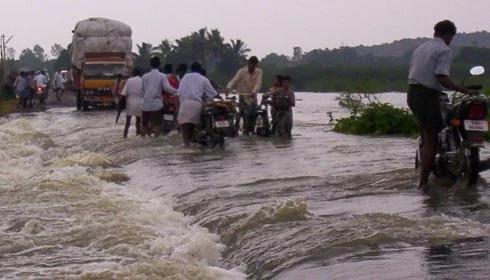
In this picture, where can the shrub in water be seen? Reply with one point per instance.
(374, 117)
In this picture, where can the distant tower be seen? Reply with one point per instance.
(297, 54)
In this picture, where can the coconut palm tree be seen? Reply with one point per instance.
(239, 48)
(215, 49)
(145, 52)
(163, 49)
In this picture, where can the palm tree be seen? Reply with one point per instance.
(215, 49)
(164, 49)
(145, 52)
(199, 44)
(215, 40)
(239, 48)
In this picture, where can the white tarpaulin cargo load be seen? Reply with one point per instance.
(97, 35)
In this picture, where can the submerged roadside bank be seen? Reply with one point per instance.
(7, 107)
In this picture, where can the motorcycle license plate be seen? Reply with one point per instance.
(168, 117)
(470, 125)
(222, 124)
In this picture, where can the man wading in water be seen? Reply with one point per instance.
(248, 82)
(154, 83)
(428, 76)
(193, 87)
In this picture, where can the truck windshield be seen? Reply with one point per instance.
(102, 69)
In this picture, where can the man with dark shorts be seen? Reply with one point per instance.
(428, 76)
(154, 84)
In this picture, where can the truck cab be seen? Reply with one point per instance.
(97, 76)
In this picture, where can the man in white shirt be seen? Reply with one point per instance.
(133, 95)
(428, 76)
(58, 85)
(193, 88)
(248, 82)
(154, 84)
(41, 80)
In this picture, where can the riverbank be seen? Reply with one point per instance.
(10, 106)
(7, 107)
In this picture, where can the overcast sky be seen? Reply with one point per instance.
(265, 25)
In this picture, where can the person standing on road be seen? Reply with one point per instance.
(181, 71)
(154, 84)
(41, 80)
(21, 86)
(173, 80)
(428, 76)
(192, 88)
(58, 85)
(247, 82)
(283, 101)
(133, 92)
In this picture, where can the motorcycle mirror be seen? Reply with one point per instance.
(477, 70)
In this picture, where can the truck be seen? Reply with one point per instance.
(101, 55)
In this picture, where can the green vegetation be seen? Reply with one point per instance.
(344, 70)
(369, 116)
(220, 58)
(370, 69)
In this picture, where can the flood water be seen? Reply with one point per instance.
(320, 206)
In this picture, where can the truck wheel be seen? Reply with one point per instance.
(84, 105)
(473, 166)
(79, 101)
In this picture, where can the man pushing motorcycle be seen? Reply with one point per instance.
(429, 74)
(247, 82)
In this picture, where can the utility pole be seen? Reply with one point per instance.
(3, 58)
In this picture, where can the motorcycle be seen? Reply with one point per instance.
(170, 112)
(217, 122)
(262, 122)
(463, 136)
(41, 95)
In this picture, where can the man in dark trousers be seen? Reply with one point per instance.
(428, 77)
(154, 84)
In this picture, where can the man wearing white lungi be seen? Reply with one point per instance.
(193, 89)
(133, 92)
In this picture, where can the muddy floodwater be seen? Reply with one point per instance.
(79, 202)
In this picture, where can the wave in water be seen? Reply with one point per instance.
(61, 218)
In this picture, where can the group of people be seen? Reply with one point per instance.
(27, 82)
(147, 95)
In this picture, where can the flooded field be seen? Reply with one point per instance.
(80, 202)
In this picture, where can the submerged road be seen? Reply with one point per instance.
(80, 202)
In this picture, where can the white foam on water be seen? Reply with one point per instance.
(60, 220)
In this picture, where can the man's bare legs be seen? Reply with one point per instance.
(187, 133)
(138, 126)
(428, 154)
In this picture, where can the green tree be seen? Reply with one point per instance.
(63, 61)
(40, 54)
(163, 50)
(56, 50)
(239, 48)
(145, 52)
(29, 60)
